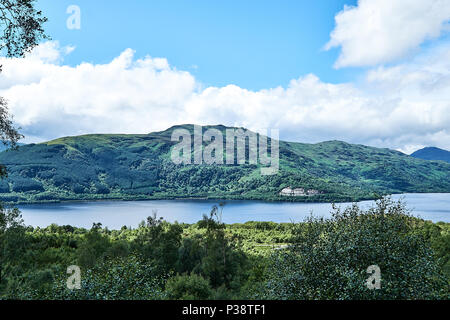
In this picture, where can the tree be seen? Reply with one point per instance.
(94, 246)
(21, 28)
(222, 261)
(330, 258)
(159, 242)
(12, 233)
(188, 287)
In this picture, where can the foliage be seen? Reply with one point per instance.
(329, 258)
(159, 241)
(22, 28)
(12, 239)
(129, 278)
(188, 287)
(316, 259)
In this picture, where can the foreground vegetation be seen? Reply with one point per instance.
(316, 259)
(132, 167)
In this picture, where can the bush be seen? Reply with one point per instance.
(188, 287)
(127, 278)
(329, 258)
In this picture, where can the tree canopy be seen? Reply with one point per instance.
(329, 258)
(21, 29)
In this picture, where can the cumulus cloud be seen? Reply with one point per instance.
(126, 95)
(379, 31)
(405, 107)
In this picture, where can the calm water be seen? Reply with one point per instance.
(115, 214)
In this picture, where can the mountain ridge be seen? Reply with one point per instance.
(432, 153)
(138, 167)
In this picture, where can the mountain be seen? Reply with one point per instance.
(119, 166)
(432, 153)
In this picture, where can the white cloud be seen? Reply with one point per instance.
(380, 31)
(404, 107)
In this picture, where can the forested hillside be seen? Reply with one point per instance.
(139, 167)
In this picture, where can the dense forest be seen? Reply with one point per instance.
(316, 259)
(135, 167)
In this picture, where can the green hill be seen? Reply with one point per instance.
(118, 166)
(432, 153)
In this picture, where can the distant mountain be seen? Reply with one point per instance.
(432, 153)
(119, 166)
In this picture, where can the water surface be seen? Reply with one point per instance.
(115, 214)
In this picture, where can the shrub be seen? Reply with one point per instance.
(329, 258)
(188, 287)
(127, 278)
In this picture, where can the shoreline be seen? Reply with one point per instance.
(212, 199)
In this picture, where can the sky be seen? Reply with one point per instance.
(374, 72)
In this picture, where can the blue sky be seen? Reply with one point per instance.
(373, 72)
(254, 44)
